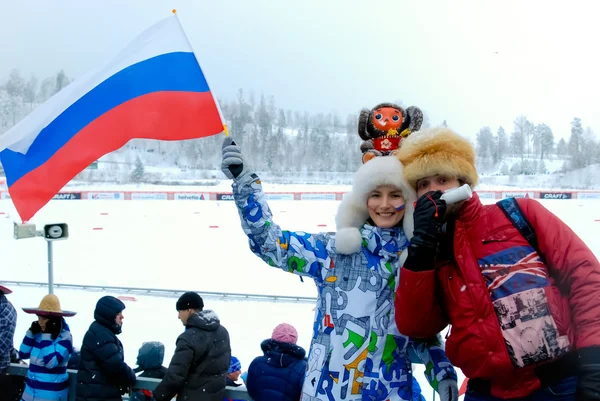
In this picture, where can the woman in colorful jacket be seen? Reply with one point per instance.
(48, 346)
(356, 351)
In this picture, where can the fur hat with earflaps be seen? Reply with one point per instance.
(353, 212)
(438, 150)
(49, 307)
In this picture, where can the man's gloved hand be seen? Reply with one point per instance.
(428, 214)
(54, 327)
(35, 328)
(588, 384)
(448, 390)
(429, 211)
(233, 161)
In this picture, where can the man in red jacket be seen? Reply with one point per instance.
(524, 325)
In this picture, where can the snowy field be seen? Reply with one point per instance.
(184, 245)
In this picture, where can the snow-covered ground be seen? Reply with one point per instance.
(185, 246)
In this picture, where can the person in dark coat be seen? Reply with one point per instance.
(150, 359)
(198, 368)
(12, 385)
(74, 360)
(279, 373)
(103, 374)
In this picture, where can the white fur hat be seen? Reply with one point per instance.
(353, 212)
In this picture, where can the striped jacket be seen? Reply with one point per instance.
(47, 377)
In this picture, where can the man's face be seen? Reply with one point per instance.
(434, 183)
(184, 315)
(233, 376)
(119, 319)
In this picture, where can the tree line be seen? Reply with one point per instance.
(533, 143)
(288, 142)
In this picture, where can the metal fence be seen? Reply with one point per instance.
(142, 383)
(168, 293)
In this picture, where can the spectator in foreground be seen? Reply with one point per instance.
(279, 373)
(48, 346)
(198, 368)
(103, 373)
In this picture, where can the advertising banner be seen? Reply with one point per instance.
(106, 195)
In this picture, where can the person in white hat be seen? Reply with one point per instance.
(357, 352)
(48, 346)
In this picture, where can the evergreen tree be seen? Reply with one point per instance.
(561, 148)
(543, 140)
(61, 81)
(501, 143)
(485, 142)
(576, 144)
(139, 172)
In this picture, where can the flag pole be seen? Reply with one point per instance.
(225, 130)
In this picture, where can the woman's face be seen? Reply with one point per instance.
(42, 321)
(386, 206)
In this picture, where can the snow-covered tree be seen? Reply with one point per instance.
(15, 84)
(501, 143)
(30, 91)
(561, 148)
(61, 81)
(576, 144)
(485, 142)
(139, 172)
(46, 89)
(543, 140)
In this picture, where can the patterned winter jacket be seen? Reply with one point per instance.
(356, 352)
(510, 311)
(8, 322)
(47, 377)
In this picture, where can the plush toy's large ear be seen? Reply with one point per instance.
(363, 123)
(415, 118)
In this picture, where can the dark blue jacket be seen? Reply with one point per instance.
(278, 374)
(103, 374)
(150, 358)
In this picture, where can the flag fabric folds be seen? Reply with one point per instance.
(154, 89)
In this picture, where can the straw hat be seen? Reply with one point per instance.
(49, 307)
(4, 290)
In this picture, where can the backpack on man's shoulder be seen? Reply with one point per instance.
(513, 212)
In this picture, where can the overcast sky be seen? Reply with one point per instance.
(470, 63)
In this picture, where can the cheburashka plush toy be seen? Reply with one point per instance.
(383, 127)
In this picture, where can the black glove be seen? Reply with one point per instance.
(54, 327)
(429, 211)
(428, 214)
(35, 328)
(588, 385)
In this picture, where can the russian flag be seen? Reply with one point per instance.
(153, 89)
